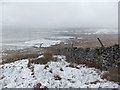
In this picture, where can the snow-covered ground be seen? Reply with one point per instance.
(106, 31)
(43, 42)
(30, 43)
(52, 75)
(101, 31)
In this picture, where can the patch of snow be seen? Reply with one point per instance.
(62, 37)
(65, 43)
(106, 31)
(18, 75)
(59, 57)
(102, 31)
(42, 43)
(30, 43)
(88, 33)
(41, 56)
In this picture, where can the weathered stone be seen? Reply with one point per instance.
(107, 56)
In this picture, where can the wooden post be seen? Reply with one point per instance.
(72, 44)
(100, 42)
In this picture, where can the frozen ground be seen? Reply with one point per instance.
(52, 75)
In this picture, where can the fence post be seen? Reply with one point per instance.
(100, 42)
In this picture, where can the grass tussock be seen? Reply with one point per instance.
(94, 65)
(61, 69)
(38, 85)
(46, 66)
(89, 64)
(112, 75)
(50, 71)
(94, 82)
(57, 77)
(44, 60)
(73, 65)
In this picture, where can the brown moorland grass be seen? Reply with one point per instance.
(18, 56)
(44, 60)
(88, 43)
(57, 77)
(94, 82)
(112, 74)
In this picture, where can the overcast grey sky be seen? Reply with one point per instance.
(60, 15)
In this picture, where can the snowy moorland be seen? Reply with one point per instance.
(57, 74)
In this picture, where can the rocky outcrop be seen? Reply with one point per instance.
(101, 57)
